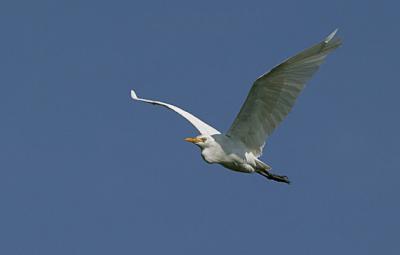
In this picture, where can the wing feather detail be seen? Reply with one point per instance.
(274, 93)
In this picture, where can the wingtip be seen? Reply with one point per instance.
(133, 94)
(330, 36)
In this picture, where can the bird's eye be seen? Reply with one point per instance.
(203, 139)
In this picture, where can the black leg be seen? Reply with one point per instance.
(275, 177)
(280, 178)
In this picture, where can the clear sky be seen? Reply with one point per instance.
(85, 170)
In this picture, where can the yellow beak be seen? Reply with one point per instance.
(193, 140)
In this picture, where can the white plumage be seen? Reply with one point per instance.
(201, 126)
(270, 99)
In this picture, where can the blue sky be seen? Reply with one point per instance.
(84, 170)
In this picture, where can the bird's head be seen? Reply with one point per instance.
(202, 140)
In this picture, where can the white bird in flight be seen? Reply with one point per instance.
(270, 99)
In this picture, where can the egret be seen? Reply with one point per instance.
(269, 101)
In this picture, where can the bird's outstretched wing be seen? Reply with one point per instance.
(202, 127)
(274, 93)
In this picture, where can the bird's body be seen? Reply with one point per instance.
(232, 154)
(270, 99)
(229, 153)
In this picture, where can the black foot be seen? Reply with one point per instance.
(279, 178)
(275, 177)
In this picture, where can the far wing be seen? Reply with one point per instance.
(273, 95)
(202, 127)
